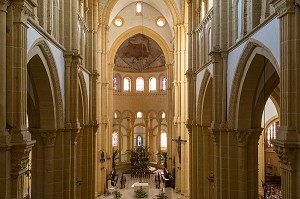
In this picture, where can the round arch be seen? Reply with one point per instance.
(170, 4)
(136, 30)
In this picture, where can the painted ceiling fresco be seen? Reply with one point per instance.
(139, 53)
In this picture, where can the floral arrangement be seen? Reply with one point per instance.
(117, 194)
(160, 196)
(140, 193)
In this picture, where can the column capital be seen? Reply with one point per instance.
(23, 9)
(20, 158)
(215, 135)
(4, 4)
(286, 152)
(283, 7)
(242, 135)
(48, 137)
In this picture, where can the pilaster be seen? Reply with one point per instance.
(287, 139)
(49, 137)
(4, 135)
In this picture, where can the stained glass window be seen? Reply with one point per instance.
(115, 140)
(139, 84)
(139, 8)
(163, 83)
(139, 141)
(126, 84)
(139, 114)
(152, 84)
(163, 139)
(116, 83)
(271, 134)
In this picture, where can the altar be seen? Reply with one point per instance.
(139, 185)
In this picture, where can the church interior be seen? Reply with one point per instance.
(191, 99)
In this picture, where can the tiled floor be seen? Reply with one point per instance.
(128, 192)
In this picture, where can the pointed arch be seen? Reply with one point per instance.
(202, 94)
(84, 98)
(254, 53)
(42, 49)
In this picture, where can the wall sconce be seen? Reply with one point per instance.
(102, 156)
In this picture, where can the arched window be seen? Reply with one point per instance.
(139, 114)
(115, 140)
(115, 115)
(163, 115)
(163, 140)
(163, 83)
(139, 140)
(116, 83)
(152, 84)
(271, 133)
(139, 84)
(126, 84)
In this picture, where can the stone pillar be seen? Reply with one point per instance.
(288, 136)
(4, 135)
(159, 141)
(215, 136)
(49, 143)
(16, 91)
(72, 126)
(242, 138)
(3, 12)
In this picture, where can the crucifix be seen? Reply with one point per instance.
(178, 141)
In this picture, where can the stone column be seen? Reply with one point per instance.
(72, 126)
(49, 143)
(158, 141)
(16, 91)
(4, 136)
(242, 138)
(288, 136)
(215, 136)
(3, 12)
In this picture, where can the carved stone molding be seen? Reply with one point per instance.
(236, 82)
(20, 158)
(286, 154)
(49, 138)
(242, 137)
(4, 4)
(283, 7)
(215, 135)
(22, 10)
(54, 76)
